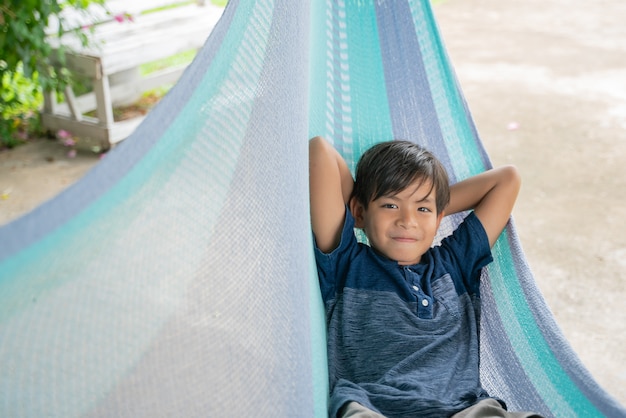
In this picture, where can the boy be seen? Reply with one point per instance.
(403, 317)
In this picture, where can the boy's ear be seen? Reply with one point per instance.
(357, 209)
(440, 217)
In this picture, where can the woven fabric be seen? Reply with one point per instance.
(177, 277)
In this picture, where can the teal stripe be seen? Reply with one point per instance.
(348, 99)
(453, 120)
(371, 119)
(556, 388)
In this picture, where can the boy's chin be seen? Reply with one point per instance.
(403, 258)
(406, 260)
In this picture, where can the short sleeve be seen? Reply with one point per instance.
(468, 250)
(332, 267)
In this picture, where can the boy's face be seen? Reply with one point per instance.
(402, 226)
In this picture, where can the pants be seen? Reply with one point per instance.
(487, 408)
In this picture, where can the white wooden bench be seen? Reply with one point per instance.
(112, 62)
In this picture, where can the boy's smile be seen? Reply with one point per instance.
(401, 226)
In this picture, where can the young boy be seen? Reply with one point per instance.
(402, 317)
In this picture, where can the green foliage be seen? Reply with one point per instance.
(171, 6)
(19, 98)
(27, 57)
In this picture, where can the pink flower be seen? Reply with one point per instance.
(71, 153)
(63, 134)
(121, 17)
(69, 142)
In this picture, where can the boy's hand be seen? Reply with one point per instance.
(491, 194)
(330, 186)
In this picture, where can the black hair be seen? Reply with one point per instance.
(390, 167)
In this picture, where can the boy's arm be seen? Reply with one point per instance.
(491, 194)
(330, 186)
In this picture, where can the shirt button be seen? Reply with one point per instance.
(424, 302)
(417, 289)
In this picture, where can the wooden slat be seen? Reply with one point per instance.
(90, 128)
(126, 45)
(96, 13)
(122, 46)
(73, 105)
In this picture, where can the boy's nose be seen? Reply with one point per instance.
(407, 220)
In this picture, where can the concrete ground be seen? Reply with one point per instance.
(546, 83)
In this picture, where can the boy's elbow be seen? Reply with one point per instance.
(317, 142)
(511, 182)
(512, 176)
(318, 148)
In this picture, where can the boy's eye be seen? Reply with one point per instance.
(389, 205)
(423, 209)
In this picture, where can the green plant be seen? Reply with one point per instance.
(19, 97)
(27, 56)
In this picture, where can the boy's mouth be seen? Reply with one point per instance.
(404, 239)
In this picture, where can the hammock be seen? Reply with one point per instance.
(177, 277)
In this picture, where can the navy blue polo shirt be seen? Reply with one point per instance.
(403, 340)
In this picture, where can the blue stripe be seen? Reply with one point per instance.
(409, 94)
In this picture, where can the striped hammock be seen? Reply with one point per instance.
(177, 277)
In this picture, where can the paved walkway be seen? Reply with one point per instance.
(546, 83)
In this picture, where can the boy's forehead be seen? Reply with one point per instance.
(420, 189)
